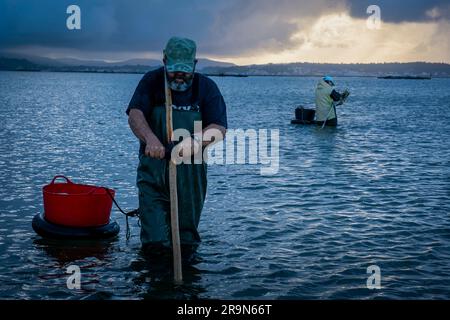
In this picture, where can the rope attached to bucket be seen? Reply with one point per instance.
(132, 213)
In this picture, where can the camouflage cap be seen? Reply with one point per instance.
(180, 55)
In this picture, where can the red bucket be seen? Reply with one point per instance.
(76, 205)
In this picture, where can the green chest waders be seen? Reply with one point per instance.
(153, 185)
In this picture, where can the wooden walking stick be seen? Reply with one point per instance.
(178, 273)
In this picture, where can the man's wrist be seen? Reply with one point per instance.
(196, 138)
(149, 138)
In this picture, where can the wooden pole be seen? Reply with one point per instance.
(177, 270)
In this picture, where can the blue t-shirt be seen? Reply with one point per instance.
(203, 96)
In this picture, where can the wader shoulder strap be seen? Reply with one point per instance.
(195, 89)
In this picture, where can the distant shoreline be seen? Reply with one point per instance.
(213, 75)
(220, 69)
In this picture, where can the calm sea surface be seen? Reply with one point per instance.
(374, 191)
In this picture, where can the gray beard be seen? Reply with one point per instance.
(180, 86)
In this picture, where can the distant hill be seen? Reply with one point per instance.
(17, 64)
(218, 68)
(35, 63)
(207, 63)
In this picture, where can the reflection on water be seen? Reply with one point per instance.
(67, 251)
(373, 191)
(155, 277)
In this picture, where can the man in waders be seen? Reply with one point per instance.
(326, 100)
(195, 97)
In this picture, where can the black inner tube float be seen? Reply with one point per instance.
(50, 230)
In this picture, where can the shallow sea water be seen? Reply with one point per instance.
(373, 191)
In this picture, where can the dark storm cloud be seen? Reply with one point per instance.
(106, 25)
(219, 27)
(403, 11)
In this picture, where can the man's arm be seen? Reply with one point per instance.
(336, 96)
(222, 130)
(139, 125)
(141, 129)
(217, 133)
(339, 97)
(214, 115)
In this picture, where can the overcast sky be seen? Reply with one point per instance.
(240, 31)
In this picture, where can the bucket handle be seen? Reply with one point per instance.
(96, 189)
(61, 176)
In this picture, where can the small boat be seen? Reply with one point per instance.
(406, 77)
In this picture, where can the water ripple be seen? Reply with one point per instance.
(374, 191)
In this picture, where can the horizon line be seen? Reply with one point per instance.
(26, 57)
